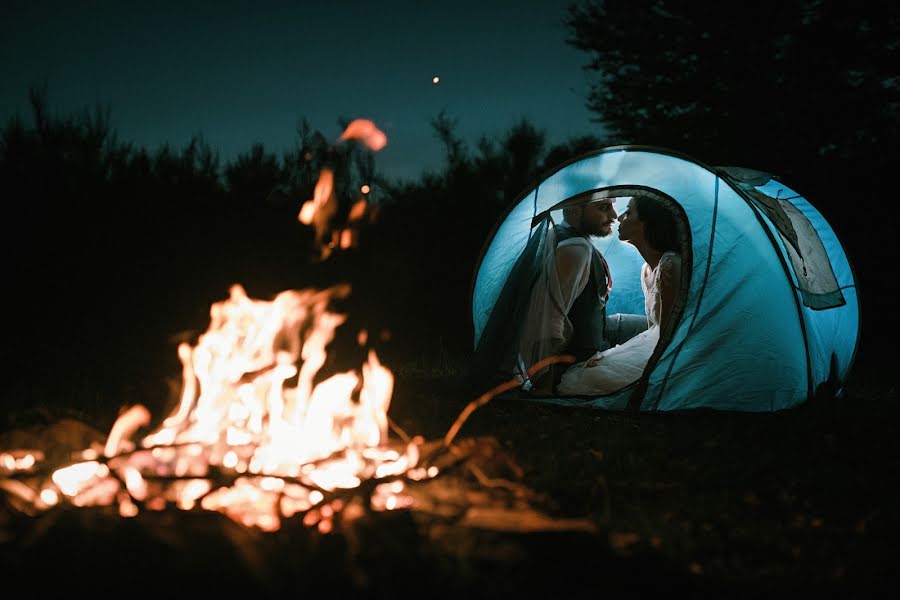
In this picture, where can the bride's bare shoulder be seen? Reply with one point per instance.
(670, 261)
(670, 267)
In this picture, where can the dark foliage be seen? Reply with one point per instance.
(791, 87)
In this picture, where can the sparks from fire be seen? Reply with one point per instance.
(323, 207)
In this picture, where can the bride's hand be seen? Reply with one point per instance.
(593, 362)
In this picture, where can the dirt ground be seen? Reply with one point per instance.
(700, 503)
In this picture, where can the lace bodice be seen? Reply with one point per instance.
(651, 280)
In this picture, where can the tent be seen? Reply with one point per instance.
(768, 314)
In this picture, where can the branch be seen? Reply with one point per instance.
(499, 389)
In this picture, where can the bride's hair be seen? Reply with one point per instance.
(660, 225)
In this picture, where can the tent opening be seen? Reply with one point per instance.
(626, 304)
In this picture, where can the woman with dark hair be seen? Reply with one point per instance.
(651, 227)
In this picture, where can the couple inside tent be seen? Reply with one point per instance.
(636, 278)
(565, 285)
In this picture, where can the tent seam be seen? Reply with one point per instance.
(712, 237)
(790, 281)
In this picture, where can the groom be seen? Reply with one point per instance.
(572, 320)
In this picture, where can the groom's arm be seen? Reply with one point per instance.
(573, 262)
(547, 328)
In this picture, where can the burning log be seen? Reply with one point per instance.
(487, 520)
(255, 439)
(252, 436)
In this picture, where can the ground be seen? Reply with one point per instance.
(784, 500)
(736, 504)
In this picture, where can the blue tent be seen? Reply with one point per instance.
(770, 314)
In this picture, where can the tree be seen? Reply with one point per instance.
(253, 174)
(797, 87)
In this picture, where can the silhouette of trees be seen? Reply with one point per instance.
(102, 240)
(251, 172)
(796, 87)
(111, 249)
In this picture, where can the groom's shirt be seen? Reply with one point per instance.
(584, 289)
(567, 308)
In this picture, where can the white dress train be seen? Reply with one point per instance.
(624, 364)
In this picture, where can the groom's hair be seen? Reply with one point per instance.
(660, 225)
(572, 215)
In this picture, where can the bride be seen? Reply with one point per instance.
(651, 228)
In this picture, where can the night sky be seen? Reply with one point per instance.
(245, 72)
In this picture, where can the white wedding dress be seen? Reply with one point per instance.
(624, 364)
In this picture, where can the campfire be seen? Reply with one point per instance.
(252, 436)
(257, 437)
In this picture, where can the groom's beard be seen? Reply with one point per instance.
(603, 231)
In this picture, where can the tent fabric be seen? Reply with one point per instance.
(818, 285)
(755, 333)
(496, 355)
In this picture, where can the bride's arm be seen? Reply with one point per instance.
(668, 285)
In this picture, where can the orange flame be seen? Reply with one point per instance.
(282, 446)
(321, 196)
(358, 210)
(366, 132)
(321, 209)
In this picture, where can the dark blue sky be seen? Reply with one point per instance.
(240, 72)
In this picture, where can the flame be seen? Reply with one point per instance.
(252, 436)
(125, 425)
(358, 210)
(321, 196)
(320, 210)
(323, 207)
(366, 132)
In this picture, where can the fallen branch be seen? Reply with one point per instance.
(499, 389)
